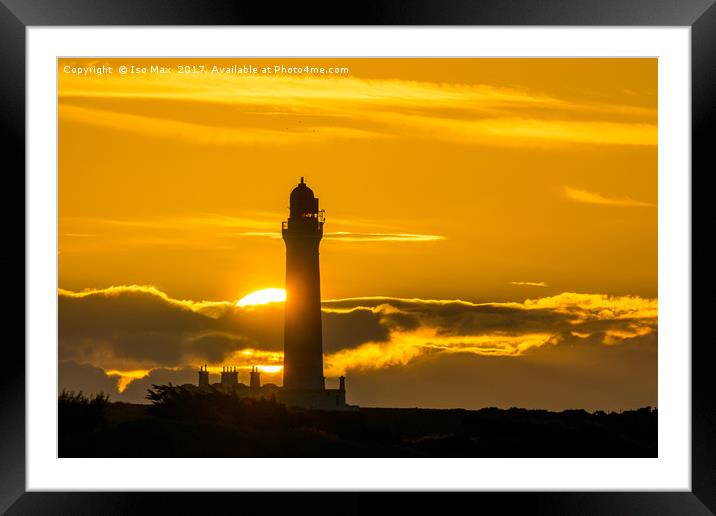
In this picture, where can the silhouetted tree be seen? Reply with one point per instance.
(78, 412)
(214, 405)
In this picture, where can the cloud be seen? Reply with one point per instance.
(141, 328)
(529, 283)
(586, 375)
(215, 231)
(587, 197)
(139, 293)
(123, 338)
(348, 236)
(494, 329)
(138, 327)
(137, 389)
(236, 110)
(349, 329)
(87, 378)
(407, 346)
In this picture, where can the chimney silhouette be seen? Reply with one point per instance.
(203, 376)
(255, 378)
(229, 376)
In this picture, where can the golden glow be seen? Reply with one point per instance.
(488, 171)
(127, 377)
(371, 108)
(270, 368)
(452, 187)
(406, 346)
(263, 297)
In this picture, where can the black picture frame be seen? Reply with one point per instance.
(17, 15)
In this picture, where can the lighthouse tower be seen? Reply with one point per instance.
(303, 343)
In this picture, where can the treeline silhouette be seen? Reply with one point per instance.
(78, 412)
(214, 405)
(190, 422)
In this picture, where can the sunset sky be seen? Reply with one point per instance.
(491, 234)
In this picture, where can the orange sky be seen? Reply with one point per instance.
(484, 180)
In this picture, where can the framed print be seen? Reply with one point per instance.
(439, 250)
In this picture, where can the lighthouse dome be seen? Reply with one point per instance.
(301, 195)
(304, 205)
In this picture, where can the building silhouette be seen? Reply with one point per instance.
(303, 380)
(302, 340)
(203, 376)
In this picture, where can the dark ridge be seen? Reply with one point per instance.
(184, 422)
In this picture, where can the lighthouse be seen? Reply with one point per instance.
(303, 342)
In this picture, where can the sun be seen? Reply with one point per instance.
(263, 297)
